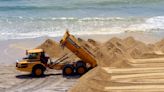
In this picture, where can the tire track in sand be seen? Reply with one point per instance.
(48, 81)
(17, 86)
(35, 84)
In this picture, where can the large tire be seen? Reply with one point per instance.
(68, 70)
(80, 70)
(80, 63)
(38, 71)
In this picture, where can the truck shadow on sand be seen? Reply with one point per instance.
(29, 76)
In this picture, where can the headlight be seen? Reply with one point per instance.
(16, 64)
(17, 60)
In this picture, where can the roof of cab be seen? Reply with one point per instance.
(35, 51)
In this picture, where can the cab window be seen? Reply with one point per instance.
(32, 56)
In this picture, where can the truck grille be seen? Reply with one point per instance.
(21, 65)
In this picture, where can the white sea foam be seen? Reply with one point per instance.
(156, 22)
(22, 27)
(150, 25)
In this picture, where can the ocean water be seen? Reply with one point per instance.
(21, 19)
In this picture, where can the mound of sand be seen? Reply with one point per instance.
(112, 53)
(93, 42)
(116, 53)
(160, 45)
(52, 48)
(137, 48)
(117, 42)
(93, 81)
(90, 45)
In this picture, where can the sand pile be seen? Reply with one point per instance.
(93, 42)
(117, 42)
(93, 81)
(160, 45)
(156, 50)
(52, 48)
(116, 53)
(130, 47)
(90, 45)
(137, 48)
(112, 53)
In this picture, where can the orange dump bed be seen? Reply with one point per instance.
(72, 44)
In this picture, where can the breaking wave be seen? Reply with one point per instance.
(30, 27)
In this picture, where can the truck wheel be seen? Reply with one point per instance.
(81, 70)
(38, 71)
(80, 63)
(68, 70)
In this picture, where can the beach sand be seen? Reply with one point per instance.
(12, 80)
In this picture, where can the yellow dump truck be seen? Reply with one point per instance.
(37, 62)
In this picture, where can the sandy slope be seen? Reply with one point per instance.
(131, 79)
(147, 78)
(151, 78)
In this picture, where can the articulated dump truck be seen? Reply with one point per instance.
(36, 62)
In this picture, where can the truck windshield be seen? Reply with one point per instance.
(32, 56)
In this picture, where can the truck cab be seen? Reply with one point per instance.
(35, 62)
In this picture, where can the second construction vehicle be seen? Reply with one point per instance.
(37, 62)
